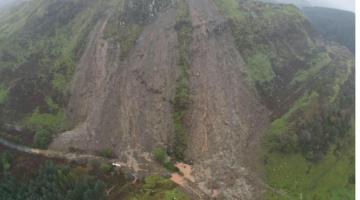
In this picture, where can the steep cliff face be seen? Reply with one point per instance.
(230, 87)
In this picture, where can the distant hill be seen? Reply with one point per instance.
(298, 3)
(333, 24)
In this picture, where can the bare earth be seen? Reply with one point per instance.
(226, 119)
(125, 105)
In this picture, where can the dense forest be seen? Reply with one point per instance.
(29, 177)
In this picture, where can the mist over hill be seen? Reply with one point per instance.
(335, 25)
(348, 5)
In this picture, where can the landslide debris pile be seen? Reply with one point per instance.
(235, 88)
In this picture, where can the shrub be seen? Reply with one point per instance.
(53, 182)
(160, 154)
(162, 157)
(45, 125)
(106, 167)
(42, 138)
(5, 161)
(107, 153)
(156, 181)
(157, 187)
(3, 94)
(260, 68)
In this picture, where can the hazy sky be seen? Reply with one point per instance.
(339, 4)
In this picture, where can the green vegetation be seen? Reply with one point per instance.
(182, 100)
(163, 158)
(106, 167)
(156, 187)
(59, 82)
(5, 162)
(308, 148)
(260, 68)
(282, 133)
(330, 178)
(55, 183)
(261, 36)
(3, 95)
(160, 154)
(45, 125)
(40, 44)
(318, 62)
(31, 177)
(341, 75)
(231, 9)
(107, 153)
(45, 121)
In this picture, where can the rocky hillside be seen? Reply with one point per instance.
(245, 92)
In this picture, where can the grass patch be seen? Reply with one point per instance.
(261, 36)
(45, 125)
(107, 153)
(106, 167)
(156, 187)
(47, 121)
(341, 76)
(282, 135)
(161, 156)
(5, 161)
(331, 178)
(317, 63)
(260, 68)
(42, 44)
(231, 9)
